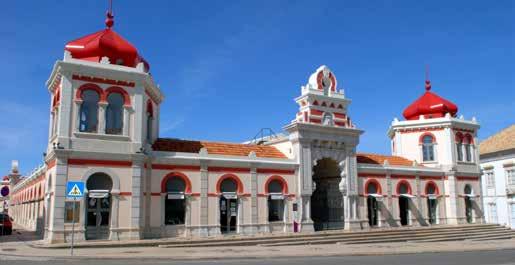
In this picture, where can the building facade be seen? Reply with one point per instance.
(497, 154)
(104, 131)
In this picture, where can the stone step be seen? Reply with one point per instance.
(325, 234)
(319, 238)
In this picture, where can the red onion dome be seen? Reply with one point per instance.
(106, 43)
(430, 105)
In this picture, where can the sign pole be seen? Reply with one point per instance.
(73, 225)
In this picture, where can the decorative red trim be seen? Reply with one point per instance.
(195, 194)
(340, 115)
(50, 164)
(365, 175)
(402, 177)
(178, 175)
(125, 193)
(431, 183)
(432, 177)
(278, 178)
(229, 169)
(315, 120)
(374, 182)
(94, 162)
(90, 86)
(413, 130)
(402, 181)
(233, 177)
(245, 195)
(468, 139)
(459, 137)
(262, 195)
(103, 80)
(421, 138)
(467, 177)
(275, 171)
(119, 90)
(212, 194)
(340, 123)
(155, 194)
(315, 103)
(320, 75)
(316, 112)
(175, 167)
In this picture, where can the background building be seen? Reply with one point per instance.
(497, 154)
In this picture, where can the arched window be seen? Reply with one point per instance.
(468, 190)
(88, 118)
(275, 201)
(150, 120)
(404, 189)
(175, 204)
(428, 153)
(114, 113)
(459, 146)
(228, 185)
(468, 146)
(327, 119)
(372, 188)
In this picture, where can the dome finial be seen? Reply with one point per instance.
(109, 15)
(428, 82)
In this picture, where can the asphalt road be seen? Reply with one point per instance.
(501, 257)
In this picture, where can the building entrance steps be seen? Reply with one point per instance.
(399, 234)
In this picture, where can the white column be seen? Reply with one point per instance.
(163, 214)
(127, 110)
(115, 212)
(102, 117)
(78, 103)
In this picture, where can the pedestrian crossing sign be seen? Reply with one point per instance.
(74, 189)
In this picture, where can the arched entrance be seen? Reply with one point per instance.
(469, 193)
(373, 191)
(228, 205)
(432, 203)
(327, 200)
(175, 203)
(98, 206)
(404, 191)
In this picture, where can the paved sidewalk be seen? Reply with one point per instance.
(17, 250)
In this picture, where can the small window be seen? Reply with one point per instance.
(372, 188)
(403, 189)
(228, 185)
(88, 117)
(459, 146)
(490, 179)
(428, 153)
(510, 176)
(114, 113)
(468, 147)
(71, 214)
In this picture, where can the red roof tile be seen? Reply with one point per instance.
(217, 148)
(377, 159)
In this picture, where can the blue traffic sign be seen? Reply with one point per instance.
(75, 189)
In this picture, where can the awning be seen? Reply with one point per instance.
(98, 193)
(175, 196)
(276, 196)
(229, 195)
(405, 195)
(470, 195)
(432, 196)
(375, 195)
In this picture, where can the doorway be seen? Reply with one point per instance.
(98, 206)
(468, 204)
(228, 214)
(228, 206)
(327, 200)
(372, 207)
(431, 208)
(97, 221)
(404, 210)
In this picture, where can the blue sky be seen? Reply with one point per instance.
(229, 68)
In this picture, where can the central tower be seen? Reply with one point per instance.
(324, 140)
